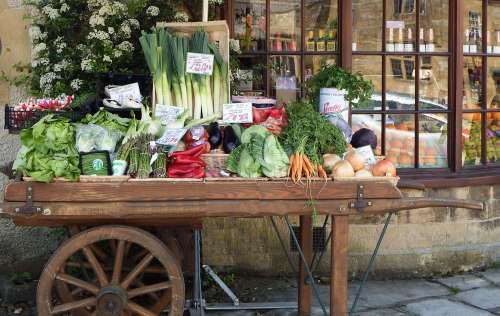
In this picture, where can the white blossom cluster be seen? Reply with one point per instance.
(153, 11)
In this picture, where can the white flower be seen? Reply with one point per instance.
(96, 19)
(38, 49)
(181, 17)
(111, 30)
(50, 12)
(64, 8)
(94, 3)
(234, 45)
(126, 46)
(153, 11)
(125, 30)
(100, 35)
(86, 65)
(117, 53)
(106, 58)
(76, 84)
(61, 66)
(46, 81)
(218, 2)
(34, 32)
(43, 61)
(134, 23)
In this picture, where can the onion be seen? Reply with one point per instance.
(343, 169)
(356, 160)
(329, 160)
(363, 173)
(384, 168)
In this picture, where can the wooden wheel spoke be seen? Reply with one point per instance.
(136, 308)
(77, 282)
(117, 268)
(101, 275)
(128, 245)
(139, 255)
(87, 302)
(137, 270)
(149, 289)
(99, 253)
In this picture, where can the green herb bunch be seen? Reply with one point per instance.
(358, 89)
(309, 132)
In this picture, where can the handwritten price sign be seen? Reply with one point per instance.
(237, 113)
(171, 136)
(167, 114)
(202, 64)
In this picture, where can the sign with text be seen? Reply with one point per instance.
(237, 113)
(201, 64)
(332, 102)
(126, 92)
(171, 136)
(395, 24)
(167, 114)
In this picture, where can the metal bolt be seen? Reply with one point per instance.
(361, 195)
(352, 205)
(370, 203)
(46, 211)
(361, 187)
(30, 189)
(17, 209)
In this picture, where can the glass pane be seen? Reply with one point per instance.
(471, 135)
(433, 33)
(433, 83)
(250, 24)
(321, 25)
(472, 26)
(472, 82)
(493, 137)
(493, 35)
(400, 139)
(371, 68)
(285, 26)
(433, 140)
(400, 83)
(400, 26)
(367, 25)
(312, 64)
(285, 78)
(251, 76)
(493, 83)
(372, 122)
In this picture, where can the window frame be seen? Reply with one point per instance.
(455, 172)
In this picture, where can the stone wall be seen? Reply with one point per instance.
(418, 242)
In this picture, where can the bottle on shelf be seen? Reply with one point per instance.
(311, 44)
(496, 47)
(408, 44)
(399, 46)
(466, 41)
(472, 41)
(390, 41)
(331, 43)
(320, 42)
(430, 46)
(489, 47)
(421, 41)
(292, 44)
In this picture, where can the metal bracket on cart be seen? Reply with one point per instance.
(28, 208)
(361, 203)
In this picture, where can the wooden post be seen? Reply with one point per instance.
(306, 243)
(205, 11)
(338, 276)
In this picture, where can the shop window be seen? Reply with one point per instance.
(403, 68)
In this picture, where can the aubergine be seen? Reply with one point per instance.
(214, 135)
(230, 141)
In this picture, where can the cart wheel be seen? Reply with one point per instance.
(111, 270)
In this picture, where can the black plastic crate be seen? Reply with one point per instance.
(17, 120)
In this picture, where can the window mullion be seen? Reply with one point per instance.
(456, 99)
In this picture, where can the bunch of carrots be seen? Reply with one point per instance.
(302, 167)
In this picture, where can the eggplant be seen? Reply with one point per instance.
(230, 141)
(364, 137)
(214, 135)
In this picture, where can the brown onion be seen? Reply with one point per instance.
(329, 160)
(363, 173)
(356, 160)
(343, 169)
(384, 168)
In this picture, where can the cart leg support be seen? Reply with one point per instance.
(338, 273)
(306, 243)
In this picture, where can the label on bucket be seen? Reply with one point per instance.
(332, 102)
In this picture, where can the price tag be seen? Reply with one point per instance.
(237, 113)
(202, 64)
(171, 136)
(167, 114)
(122, 93)
(367, 153)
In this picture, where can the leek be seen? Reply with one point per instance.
(199, 44)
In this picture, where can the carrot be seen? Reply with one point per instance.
(300, 161)
(308, 165)
(307, 171)
(322, 172)
(291, 165)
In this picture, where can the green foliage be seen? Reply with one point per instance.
(330, 76)
(309, 132)
(21, 277)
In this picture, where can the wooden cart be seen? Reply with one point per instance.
(116, 268)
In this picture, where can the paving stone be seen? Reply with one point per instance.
(381, 312)
(464, 282)
(493, 275)
(389, 293)
(485, 298)
(443, 307)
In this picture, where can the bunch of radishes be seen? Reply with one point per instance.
(45, 104)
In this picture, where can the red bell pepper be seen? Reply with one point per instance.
(193, 152)
(182, 159)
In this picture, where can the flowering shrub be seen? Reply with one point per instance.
(73, 40)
